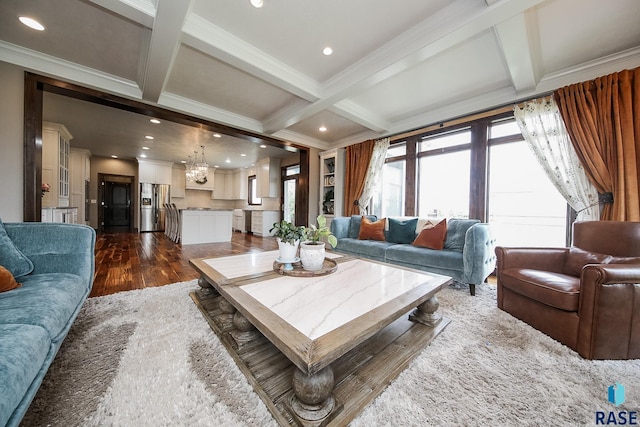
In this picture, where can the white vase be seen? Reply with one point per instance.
(288, 251)
(312, 255)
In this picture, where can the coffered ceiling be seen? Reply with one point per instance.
(396, 65)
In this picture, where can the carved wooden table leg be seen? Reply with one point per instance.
(426, 314)
(226, 307)
(313, 398)
(245, 334)
(207, 287)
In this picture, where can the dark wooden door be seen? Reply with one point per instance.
(117, 203)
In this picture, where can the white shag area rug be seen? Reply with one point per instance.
(148, 358)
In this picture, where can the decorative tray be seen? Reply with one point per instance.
(328, 267)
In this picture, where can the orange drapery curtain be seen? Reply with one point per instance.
(602, 117)
(357, 158)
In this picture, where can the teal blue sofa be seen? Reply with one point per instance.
(468, 255)
(55, 265)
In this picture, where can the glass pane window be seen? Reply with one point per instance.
(525, 209)
(447, 140)
(443, 185)
(388, 196)
(504, 128)
(253, 191)
(292, 170)
(396, 150)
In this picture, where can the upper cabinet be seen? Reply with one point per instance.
(154, 172)
(178, 181)
(223, 185)
(268, 177)
(240, 184)
(332, 181)
(55, 164)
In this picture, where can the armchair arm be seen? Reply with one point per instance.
(545, 259)
(478, 254)
(608, 312)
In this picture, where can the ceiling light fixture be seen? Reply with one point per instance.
(148, 137)
(322, 129)
(155, 121)
(144, 156)
(114, 156)
(31, 23)
(243, 155)
(257, 3)
(227, 161)
(197, 168)
(327, 51)
(217, 135)
(263, 146)
(145, 148)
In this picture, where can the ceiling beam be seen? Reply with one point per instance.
(418, 44)
(141, 11)
(163, 47)
(517, 43)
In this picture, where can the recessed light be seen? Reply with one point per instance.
(217, 135)
(148, 137)
(114, 156)
(216, 166)
(243, 155)
(155, 121)
(327, 51)
(145, 148)
(31, 23)
(227, 161)
(144, 156)
(257, 3)
(263, 146)
(183, 161)
(322, 129)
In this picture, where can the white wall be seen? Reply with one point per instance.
(11, 140)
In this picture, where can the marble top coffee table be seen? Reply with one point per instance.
(314, 321)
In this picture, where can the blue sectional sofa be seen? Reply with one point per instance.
(55, 265)
(468, 255)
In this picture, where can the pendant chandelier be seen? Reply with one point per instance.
(197, 168)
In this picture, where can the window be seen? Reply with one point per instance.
(444, 167)
(253, 198)
(388, 194)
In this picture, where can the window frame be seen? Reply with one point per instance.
(252, 189)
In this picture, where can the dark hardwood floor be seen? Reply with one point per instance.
(126, 261)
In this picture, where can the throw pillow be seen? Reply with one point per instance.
(456, 233)
(10, 256)
(402, 231)
(7, 281)
(354, 225)
(432, 236)
(371, 230)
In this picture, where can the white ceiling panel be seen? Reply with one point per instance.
(337, 127)
(205, 79)
(444, 78)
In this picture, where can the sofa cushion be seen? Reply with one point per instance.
(557, 290)
(366, 248)
(578, 258)
(10, 256)
(432, 236)
(24, 349)
(44, 300)
(402, 231)
(456, 232)
(372, 230)
(354, 224)
(7, 281)
(409, 254)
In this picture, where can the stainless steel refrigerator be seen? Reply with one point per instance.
(152, 200)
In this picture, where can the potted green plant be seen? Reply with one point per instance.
(288, 236)
(312, 249)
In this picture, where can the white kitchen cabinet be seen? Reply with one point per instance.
(205, 226)
(268, 177)
(223, 185)
(65, 215)
(154, 172)
(207, 186)
(262, 222)
(178, 181)
(55, 163)
(240, 184)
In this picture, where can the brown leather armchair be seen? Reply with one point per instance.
(586, 296)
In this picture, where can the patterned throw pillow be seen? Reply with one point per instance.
(432, 236)
(372, 230)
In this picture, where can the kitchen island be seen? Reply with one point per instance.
(204, 225)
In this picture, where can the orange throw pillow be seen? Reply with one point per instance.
(432, 236)
(372, 230)
(7, 281)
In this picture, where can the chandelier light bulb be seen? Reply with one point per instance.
(197, 168)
